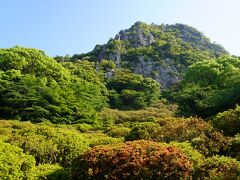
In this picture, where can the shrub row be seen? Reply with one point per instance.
(132, 160)
(199, 133)
(51, 145)
(151, 160)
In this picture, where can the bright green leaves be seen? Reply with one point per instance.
(210, 86)
(31, 61)
(14, 164)
(35, 87)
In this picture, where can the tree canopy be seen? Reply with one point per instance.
(210, 87)
(35, 87)
(132, 91)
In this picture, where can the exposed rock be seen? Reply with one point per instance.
(139, 38)
(162, 52)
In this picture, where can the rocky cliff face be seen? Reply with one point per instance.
(162, 52)
(137, 35)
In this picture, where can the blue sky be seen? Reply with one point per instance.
(61, 27)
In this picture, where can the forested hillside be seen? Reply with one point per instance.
(155, 102)
(162, 52)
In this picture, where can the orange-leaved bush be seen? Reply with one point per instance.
(135, 159)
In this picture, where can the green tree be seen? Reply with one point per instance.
(107, 65)
(35, 87)
(210, 87)
(132, 91)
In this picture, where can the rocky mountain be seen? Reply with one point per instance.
(162, 52)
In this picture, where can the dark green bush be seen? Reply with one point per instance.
(132, 91)
(132, 160)
(209, 87)
(234, 148)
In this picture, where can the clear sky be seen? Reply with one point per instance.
(61, 27)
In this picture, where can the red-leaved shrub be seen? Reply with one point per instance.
(132, 160)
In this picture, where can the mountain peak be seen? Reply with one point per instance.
(162, 52)
(139, 23)
(139, 35)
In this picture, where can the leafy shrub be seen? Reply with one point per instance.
(179, 129)
(234, 147)
(211, 143)
(158, 111)
(228, 121)
(84, 127)
(117, 131)
(50, 171)
(195, 131)
(14, 164)
(132, 91)
(95, 139)
(107, 65)
(50, 145)
(44, 150)
(4, 133)
(194, 156)
(145, 130)
(132, 160)
(209, 87)
(219, 168)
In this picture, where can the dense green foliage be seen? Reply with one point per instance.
(107, 65)
(145, 130)
(159, 110)
(191, 35)
(210, 87)
(234, 150)
(193, 155)
(132, 91)
(228, 121)
(158, 51)
(219, 168)
(35, 87)
(14, 164)
(117, 131)
(49, 171)
(100, 115)
(50, 145)
(43, 151)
